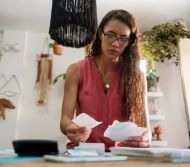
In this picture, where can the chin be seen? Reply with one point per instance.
(113, 57)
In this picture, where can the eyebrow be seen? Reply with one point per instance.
(126, 36)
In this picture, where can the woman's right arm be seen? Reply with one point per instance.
(75, 133)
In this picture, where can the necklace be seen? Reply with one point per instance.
(107, 83)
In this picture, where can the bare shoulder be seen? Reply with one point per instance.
(73, 67)
(73, 72)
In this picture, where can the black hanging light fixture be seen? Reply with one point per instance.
(73, 22)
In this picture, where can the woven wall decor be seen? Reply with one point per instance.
(73, 22)
(44, 74)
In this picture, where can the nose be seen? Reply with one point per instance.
(115, 43)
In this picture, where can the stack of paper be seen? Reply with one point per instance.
(154, 154)
(120, 131)
(7, 153)
(87, 149)
(99, 148)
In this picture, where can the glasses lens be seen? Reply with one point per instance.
(112, 38)
(123, 41)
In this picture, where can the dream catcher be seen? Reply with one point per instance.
(44, 74)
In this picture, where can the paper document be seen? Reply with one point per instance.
(154, 154)
(106, 157)
(120, 131)
(86, 120)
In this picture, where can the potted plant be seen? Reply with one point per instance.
(152, 80)
(57, 48)
(160, 43)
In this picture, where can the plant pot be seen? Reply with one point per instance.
(58, 49)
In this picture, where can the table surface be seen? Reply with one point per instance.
(128, 163)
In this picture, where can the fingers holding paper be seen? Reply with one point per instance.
(136, 141)
(128, 134)
(77, 134)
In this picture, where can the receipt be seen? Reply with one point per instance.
(120, 131)
(86, 120)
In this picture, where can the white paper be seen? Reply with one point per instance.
(81, 153)
(98, 147)
(120, 131)
(86, 120)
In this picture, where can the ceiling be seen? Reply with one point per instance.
(34, 15)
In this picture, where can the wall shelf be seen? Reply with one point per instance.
(155, 117)
(153, 106)
(154, 95)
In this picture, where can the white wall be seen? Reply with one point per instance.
(47, 118)
(11, 63)
(184, 48)
(174, 127)
(1, 39)
(29, 121)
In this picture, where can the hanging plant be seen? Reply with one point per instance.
(57, 48)
(160, 43)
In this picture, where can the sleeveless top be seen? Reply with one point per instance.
(93, 101)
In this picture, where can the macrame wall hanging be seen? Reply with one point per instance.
(73, 22)
(44, 74)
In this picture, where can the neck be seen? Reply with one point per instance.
(107, 65)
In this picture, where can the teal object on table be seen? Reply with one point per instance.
(6, 160)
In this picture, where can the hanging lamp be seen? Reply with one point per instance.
(73, 22)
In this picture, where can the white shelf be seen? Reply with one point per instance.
(158, 117)
(153, 102)
(154, 94)
(161, 143)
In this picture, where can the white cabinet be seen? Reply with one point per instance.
(155, 115)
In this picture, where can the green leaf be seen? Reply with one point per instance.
(160, 43)
(58, 77)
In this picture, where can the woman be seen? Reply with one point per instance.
(107, 85)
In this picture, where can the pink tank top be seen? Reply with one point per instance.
(93, 101)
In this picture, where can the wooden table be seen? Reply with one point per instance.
(128, 163)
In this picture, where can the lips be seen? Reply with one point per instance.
(113, 51)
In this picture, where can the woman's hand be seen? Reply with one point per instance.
(136, 141)
(77, 134)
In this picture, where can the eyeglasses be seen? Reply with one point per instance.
(112, 38)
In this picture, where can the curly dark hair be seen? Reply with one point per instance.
(133, 81)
